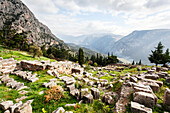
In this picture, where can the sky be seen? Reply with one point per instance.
(82, 17)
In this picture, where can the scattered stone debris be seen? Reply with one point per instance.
(26, 75)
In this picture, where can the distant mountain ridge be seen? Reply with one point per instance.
(138, 44)
(75, 48)
(17, 15)
(135, 46)
(97, 42)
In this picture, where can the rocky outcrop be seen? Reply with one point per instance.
(17, 15)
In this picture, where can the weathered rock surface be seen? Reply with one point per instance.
(20, 18)
(95, 92)
(5, 105)
(7, 65)
(166, 99)
(138, 108)
(144, 98)
(88, 98)
(24, 108)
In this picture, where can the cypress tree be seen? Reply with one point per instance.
(140, 62)
(81, 56)
(133, 62)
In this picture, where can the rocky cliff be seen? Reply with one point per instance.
(17, 15)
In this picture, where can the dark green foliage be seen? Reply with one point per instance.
(87, 59)
(93, 58)
(103, 61)
(140, 62)
(133, 62)
(57, 53)
(35, 50)
(112, 60)
(108, 54)
(73, 57)
(166, 57)
(81, 56)
(158, 57)
(10, 39)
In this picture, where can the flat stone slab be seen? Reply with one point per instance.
(138, 108)
(144, 98)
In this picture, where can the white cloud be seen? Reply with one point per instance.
(41, 6)
(65, 16)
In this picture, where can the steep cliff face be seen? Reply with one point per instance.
(17, 15)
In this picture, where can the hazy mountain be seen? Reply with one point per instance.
(138, 44)
(16, 14)
(96, 42)
(87, 52)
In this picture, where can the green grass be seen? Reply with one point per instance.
(19, 55)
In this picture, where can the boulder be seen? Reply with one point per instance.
(75, 93)
(88, 98)
(7, 111)
(90, 83)
(163, 74)
(59, 110)
(133, 79)
(144, 98)
(24, 108)
(50, 72)
(166, 99)
(139, 68)
(83, 92)
(109, 87)
(107, 99)
(153, 76)
(95, 92)
(138, 108)
(160, 83)
(12, 108)
(32, 65)
(167, 80)
(151, 71)
(70, 87)
(5, 105)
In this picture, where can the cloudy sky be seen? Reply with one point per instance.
(79, 17)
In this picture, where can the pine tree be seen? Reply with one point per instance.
(157, 55)
(166, 57)
(81, 56)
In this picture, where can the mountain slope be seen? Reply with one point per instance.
(97, 42)
(138, 44)
(87, 51)
(17, 15)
